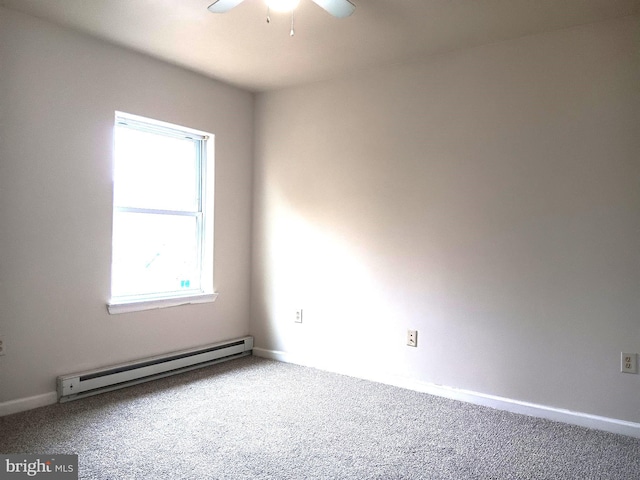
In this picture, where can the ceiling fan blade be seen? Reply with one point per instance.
(337, 8)
(222, 6)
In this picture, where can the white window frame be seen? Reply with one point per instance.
(133, 303)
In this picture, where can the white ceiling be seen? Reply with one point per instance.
(239, 47)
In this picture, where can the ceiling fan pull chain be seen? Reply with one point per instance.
(268, 15)
(292, 32)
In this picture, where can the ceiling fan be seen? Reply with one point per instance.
(337, 8)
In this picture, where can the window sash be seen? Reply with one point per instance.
(157, 254)
(199, 162)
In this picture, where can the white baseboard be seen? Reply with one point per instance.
(606, 424)
(23, 404)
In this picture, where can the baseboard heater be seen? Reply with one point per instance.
(84, 384)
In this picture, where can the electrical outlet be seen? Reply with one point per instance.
(298, 316)
(412, 338)
(3, 347)
(629, 362)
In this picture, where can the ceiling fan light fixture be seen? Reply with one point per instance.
(282, 5)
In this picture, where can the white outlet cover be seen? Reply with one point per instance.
(412, 338)
(629, 362)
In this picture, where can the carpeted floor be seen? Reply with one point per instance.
(258, 419)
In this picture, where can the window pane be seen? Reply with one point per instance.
(155, 171)
(154, 254)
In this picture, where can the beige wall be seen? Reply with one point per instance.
(58, 93)
(488, 198)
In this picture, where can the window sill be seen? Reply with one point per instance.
(116, 308)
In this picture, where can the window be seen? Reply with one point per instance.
(162, 215)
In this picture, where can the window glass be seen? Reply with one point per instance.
(155, 171)
(154, 254)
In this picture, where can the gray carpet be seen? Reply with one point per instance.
(258, 419)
